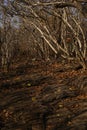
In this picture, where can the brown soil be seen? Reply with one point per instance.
(38, 95)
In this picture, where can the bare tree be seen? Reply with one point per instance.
(56, 27)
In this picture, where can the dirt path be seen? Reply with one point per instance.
(43, 96)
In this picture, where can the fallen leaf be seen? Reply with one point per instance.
(33, 99)
(29, 84)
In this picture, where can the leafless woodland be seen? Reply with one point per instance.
(43, 64)
(43, 29)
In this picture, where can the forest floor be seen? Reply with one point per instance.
(38, 95)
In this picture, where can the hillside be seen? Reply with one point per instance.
(38, 95)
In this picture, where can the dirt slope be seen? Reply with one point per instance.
(43, 96)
